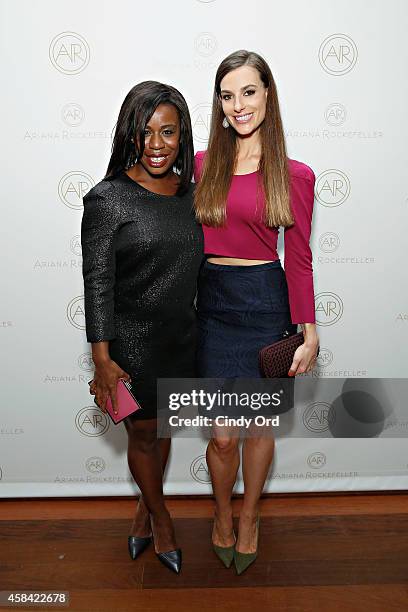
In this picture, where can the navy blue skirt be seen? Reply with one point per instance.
(240, 310)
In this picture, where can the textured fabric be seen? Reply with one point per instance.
(246, 236)
(141, 255)
(241, 309)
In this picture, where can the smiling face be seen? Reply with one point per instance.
(162, 140)
(243, 99)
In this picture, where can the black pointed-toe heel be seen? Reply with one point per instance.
(171, 559)
(137, 545)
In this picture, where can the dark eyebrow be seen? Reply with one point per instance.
(164, 126)
(242, 88)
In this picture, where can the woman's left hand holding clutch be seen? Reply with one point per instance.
(304, 359)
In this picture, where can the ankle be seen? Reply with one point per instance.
(158, 518)
(249, 516)
(142, 509)
(224, 512)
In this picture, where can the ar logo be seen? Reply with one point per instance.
(75, 245)
(318, 417)
(200, 120)
(335, 114)
(91, 421)
(73, 114)
(338, 54)
(329, 242)
(325, 357)
(329, 308)
(332, 188)
(316, 460)
(95, 465)
(76, 312)
(205, 44)
(85, 362)
(72, 188)
(69, 53)
(199, 470)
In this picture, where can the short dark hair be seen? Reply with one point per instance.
(136, 110)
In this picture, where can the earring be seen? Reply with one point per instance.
(225, 123)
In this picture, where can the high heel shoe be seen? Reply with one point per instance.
(137, 545)
(244, 560)
(225, 553)
(170, 558)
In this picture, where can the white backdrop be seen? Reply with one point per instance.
(341, 76)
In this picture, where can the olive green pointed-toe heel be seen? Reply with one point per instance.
(244, 560)
(225, 553)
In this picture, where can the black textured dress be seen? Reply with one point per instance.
(141, 256)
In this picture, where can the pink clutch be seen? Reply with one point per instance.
(127, 403)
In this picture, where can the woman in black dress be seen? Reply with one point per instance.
(142, 249)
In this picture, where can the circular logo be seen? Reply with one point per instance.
(338, 54)
(332, 188)
(76, 312)
(316, 460)
(328, 307)
(205, 44)
(318, 417)
(91, 421)
(200, 121)
(335, 114)
(75, 245)
(325, 357)
(199, 470)
(72, 188)
(329, 242)
(95, 465)
(85, 362)
(72, 114)
(69, 53)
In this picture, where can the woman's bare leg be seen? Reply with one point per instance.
(145, 464)
(141, 522)
(223, 462)
(257, 456)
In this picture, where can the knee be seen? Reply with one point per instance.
(142, 440)
(224, 446)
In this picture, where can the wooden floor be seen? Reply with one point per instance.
(316, 553)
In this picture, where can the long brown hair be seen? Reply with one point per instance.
(221, 156)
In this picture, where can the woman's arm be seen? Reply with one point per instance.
(299, 269)
(100, 222)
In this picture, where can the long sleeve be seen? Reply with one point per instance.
(298, 255)
(98, 229)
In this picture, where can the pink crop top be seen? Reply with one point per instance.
(245, 235)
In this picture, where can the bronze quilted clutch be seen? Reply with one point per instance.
(276, 359)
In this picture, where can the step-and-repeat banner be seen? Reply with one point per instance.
(67, 67)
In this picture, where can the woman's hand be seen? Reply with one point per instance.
(106, 376)
(306, 354)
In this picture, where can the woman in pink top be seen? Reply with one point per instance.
(247, 188)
